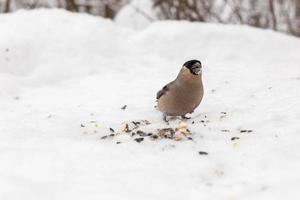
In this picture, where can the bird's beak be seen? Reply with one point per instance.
(197, 70)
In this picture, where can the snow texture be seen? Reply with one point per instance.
(64, 78)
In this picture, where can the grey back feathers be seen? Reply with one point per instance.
(162, 91)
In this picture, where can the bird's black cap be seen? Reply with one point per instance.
(192, 65)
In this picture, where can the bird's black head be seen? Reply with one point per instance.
(194, 66)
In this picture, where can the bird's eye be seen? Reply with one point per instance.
(197, 65)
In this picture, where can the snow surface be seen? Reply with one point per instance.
(137, 14)
(59, 70)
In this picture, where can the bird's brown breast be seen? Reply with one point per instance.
(183, 95)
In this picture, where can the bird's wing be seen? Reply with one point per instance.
(163, 90)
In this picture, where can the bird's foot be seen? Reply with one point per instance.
(165, 118)
(185, 117)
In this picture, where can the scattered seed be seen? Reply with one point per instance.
(246, 131)
(193, 122)
(161, 133)
(81, 125)
(136, 123)
(118, 142)
(235, 138)
(126, 128)
(139, 139)
(107, 136)
(141, 133)
(189, 138)
(181, 125)
(124, 107)
(164, 131)
(146, 122)
(224, 113)
(154, 137)
(202, 153)
(225, 130)
(185, 132)
(112, 130)
(177, 138)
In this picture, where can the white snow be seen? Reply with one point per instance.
(137, 14)
(59, 70)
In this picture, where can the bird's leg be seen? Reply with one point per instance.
(165, 118)
(185, 117)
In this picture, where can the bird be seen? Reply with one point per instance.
(184, 94)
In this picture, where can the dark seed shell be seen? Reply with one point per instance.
(202, 153)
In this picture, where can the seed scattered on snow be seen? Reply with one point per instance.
(177, 138)
(246, 131)
(141, 133)
(181, 125)
(202, 153)
(139, 139)
(112, 130)
(225, 130)
(133, 129)
(235, 138)
(82, 125)
(126, 128)
(124, 107)
(136, 123)
(146, 122)
(168, 132)
(154, 137)
(107, 136)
